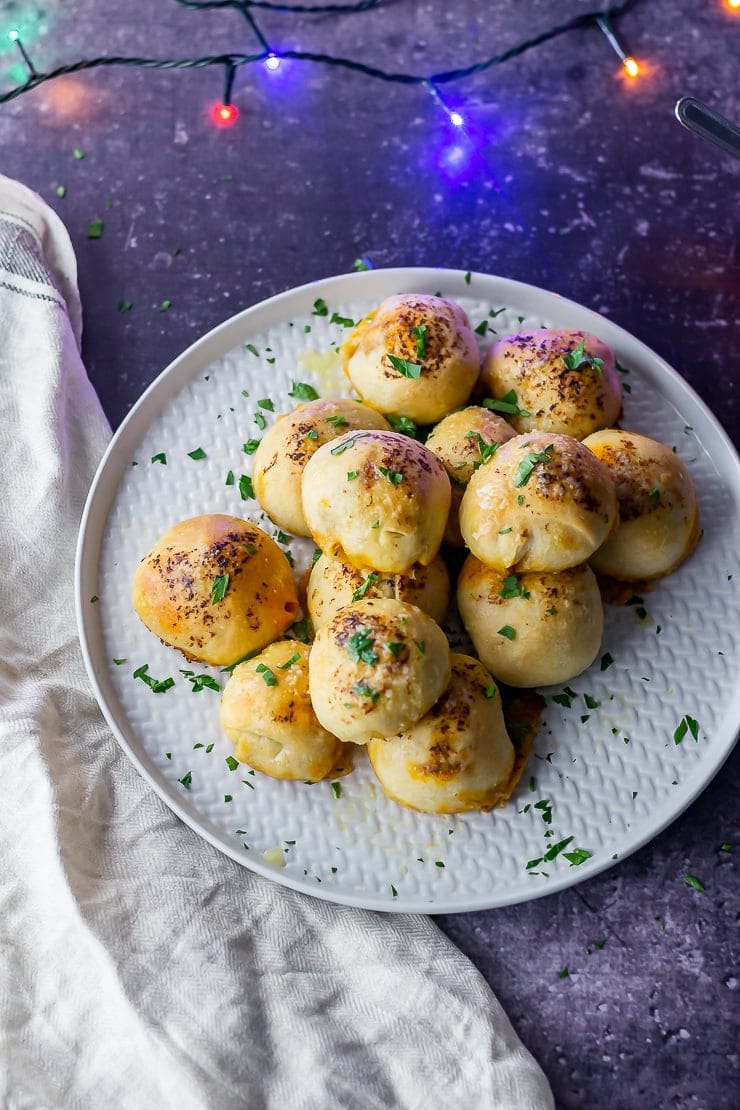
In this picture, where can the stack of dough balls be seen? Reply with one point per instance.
(540, 500)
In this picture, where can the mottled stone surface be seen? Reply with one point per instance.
(568, 178)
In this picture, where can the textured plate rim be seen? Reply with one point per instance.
(215, 343)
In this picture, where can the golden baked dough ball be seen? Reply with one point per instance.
(288, 445)
(333, 584)
(543, 502)
(463, 441)
(533, 629)
(458, 757)
(216, 588)
(377, 499)
(415, 356)
(565, 380)
(267, 714)
(376, 667)
(658, 511)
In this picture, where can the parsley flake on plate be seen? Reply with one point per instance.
(304, 392)
(197, 454)
(246, 489)
(697, 884)
(160, 458)
(156, 685)
(319, 307)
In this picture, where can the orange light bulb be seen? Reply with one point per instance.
(224, 114)
(631, 67)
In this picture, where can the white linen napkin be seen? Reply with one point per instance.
(139, 967)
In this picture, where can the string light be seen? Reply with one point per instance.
(224, 113)
(733, 5)
(630, 64)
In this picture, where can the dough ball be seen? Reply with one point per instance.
(415, 356)
(658, 512)
(543, 502)
(458, 757)
(463, 441)
(376, 667)
(288, 445)
(533, 629)
(215, 587)
(334, 584)
(267, 714)
(573, 401)
(377, 499)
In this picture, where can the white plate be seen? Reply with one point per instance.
(612, 781)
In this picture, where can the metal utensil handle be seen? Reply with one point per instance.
(710, 125)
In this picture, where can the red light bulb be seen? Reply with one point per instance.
(223, 115)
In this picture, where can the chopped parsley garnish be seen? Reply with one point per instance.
(365, 691)
(606, 661)
(507, 631)
(283, 537)
(246, 489)
(241, 659)
(555, 849)
(319, 307)
(395, 648)
(156, 685)
(125, 306)
(403, 366)
(303, 391)
(78, 154)
(520, 499)
(591, 703)
(529, 462)
(395, 477)
(360, 647)
(654, 496)
(289, 662)
(351, 475)
(231, 763)
(61, 190)
(197, 454)
(482, 328)
(301, 631)
(421, 647)
(229, 478)
(507, 404)
(691, 880)
(577, 856)
(394, 892)
(438, 863)
(165, 306)
(95, 229)
(251, 446)
(369, 581)
(467, 278)
(268, 675)
(186, 779)
(252, 349)
(420, 335)
(266, 403)
(487, 450)
(686, 724)
(359, 265)
(219, 587)
(119, 661)
(403, 425)
(504, 531)
(566, 698)
(228, 797)
(513, 588)
(160, 458)
(563, 973)
(577, 358)
(201, 681)
(343, 321)
(337, 421)
(491, 690)
(313, 434)
(336, 789)
(260, 421)
(494, 312)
